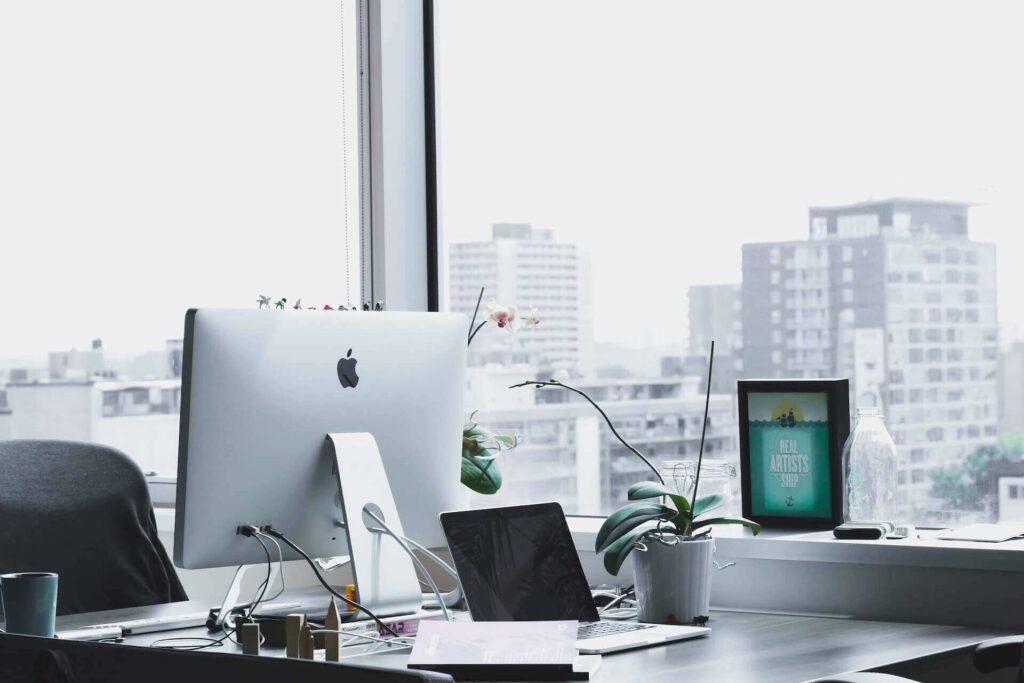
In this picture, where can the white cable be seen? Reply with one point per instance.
(401, 640)
(417, 562)
(280, 563)
(616, 600)
(433, 585)
(440, 563)
(452, 597)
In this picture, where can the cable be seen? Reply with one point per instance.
(613, 602)
(433, 585)
(452, 597)
(440, 563)
(228, 629)
(280, 565)
(404, 641)
(316, 570)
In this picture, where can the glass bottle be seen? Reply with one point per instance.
(869, 470)
(716, 476)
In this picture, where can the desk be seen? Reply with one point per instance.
(743, 646)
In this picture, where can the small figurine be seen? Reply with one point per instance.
(298, 305)
(327, 307)
(263, 301)
(293, 624)
(305, 642)
(332, 641)
(279, 304)
(250, 634)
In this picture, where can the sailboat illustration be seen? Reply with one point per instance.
(790, 420)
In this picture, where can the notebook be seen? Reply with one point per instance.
(497, 650)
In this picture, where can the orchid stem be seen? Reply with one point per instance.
(555, 383)
(703, 429)
(472, 332)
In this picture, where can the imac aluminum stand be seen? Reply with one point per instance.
(384, 575)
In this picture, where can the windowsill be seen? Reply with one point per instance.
(821, 546)
(926, 581)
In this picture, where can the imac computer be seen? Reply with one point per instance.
(262, 390)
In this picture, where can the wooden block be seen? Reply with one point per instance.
(332, 641)
(250, 637)
(293, 624)
(305, 642)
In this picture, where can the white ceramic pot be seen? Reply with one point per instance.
(673, 582)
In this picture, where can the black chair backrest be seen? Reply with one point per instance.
(83, 511)
(45, 660)
(999, 653)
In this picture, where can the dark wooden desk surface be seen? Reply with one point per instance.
(765, 648)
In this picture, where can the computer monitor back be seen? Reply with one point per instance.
(261, 389)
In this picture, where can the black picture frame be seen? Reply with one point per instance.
(837, 393)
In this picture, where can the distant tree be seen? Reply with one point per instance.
(968, 486)
(1013, 443)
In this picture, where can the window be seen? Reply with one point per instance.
(159, 156)
(667, 198)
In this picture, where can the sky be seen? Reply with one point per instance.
(158, 155)
(661, 136)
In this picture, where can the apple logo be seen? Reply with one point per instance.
(347, 371)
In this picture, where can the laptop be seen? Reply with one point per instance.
(519, 564)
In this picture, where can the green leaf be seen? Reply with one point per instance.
(628, 517)
(707, 503)
(480, 471)
(619, 550)
(753, 526)
(482, 476)
(652, 489)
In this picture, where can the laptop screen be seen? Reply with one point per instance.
(518, 564)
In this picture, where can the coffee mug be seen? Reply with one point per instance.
(30, 603)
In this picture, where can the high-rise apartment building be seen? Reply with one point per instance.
(714, 314)
(1011, 379)
(896, 296)
(525, 266)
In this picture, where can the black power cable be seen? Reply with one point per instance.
(270, 531)
(219, 642)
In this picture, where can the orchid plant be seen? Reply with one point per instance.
(481, 446)
(655, 513)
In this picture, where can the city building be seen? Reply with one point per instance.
(139, 418)
(568, 453)
(714, 314)
(1008, 490)
(75, 364)
(895, 295)
(1011, 379)
(525, 266)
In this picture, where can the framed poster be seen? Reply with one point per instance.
(791, 442)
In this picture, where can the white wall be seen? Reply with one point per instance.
(53, 411)
(150, 440)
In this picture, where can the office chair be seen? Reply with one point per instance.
(989, 656)
(83, 511)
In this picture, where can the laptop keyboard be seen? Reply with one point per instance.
(596, 629)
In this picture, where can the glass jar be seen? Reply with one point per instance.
(869, 470)
(716, 476)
